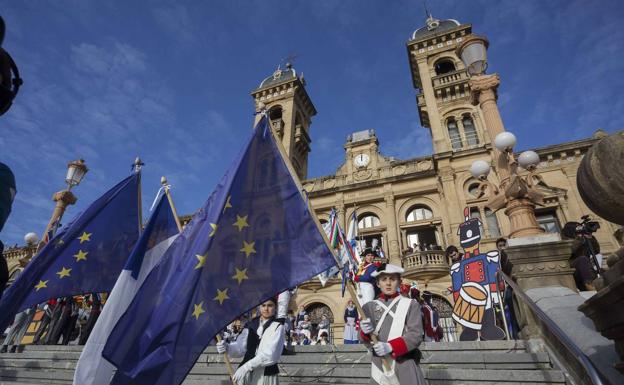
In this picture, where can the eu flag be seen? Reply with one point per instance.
(253, 239)
(86, 256)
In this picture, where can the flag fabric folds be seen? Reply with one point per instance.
(331, 229)
(85, 256)
(159, 234)
(253, 239)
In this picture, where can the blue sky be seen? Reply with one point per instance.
(170, 82)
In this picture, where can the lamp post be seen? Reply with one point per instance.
(515, 193)
(76, 170)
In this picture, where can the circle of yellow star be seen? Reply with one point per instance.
(41, 285)
(81, 255)
(241, 222)
(201, 261)
(214, 229)
(64, 272)
(228, 204)
(85, 237)
(221, 296)
(248, 248)
(241, 275)
(198, 310)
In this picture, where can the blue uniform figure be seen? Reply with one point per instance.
(474, 285)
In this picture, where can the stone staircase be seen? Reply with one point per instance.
(445, 363)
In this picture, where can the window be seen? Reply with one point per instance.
(419, 213)
(453, 130)
(548, 221)
(492, 223)
(469, 131)
(367, 221)
(444, 67)
(475, 213)
(473, 190)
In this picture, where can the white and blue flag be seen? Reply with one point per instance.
(159, 234)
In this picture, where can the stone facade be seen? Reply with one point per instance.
(401, 201)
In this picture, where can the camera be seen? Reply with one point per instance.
(587, 226)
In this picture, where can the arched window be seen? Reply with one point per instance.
(275, 113)
(275, 117)
(368, 220)
(453, 130)
(419, 213)
(473, 190)
(469, 131)
(444, 66)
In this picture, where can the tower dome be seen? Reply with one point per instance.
(279, 76)
(434, 26)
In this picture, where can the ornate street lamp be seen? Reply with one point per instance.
(516, 194)
(76, 170)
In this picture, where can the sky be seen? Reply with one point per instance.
(170, 81)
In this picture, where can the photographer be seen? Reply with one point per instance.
(584, 249)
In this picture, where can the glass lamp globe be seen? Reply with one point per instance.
(480, 169)
(505, 141)
(76, 170)
(528, 159)
(31, 238)
(473, 54)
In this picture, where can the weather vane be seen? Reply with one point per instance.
(288, 61)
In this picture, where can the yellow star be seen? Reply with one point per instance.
(41, 285)
(82, 255)
(85, 237)
(198, 310)
(214, 229)
(221, 296)
(201, 259)
(228, 204)
(64, 272)
(241, 222)
(248, 248)
(240, 275)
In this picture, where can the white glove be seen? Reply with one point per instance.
(382, 348)
(367, 326)
(242, 372)
(222, 347)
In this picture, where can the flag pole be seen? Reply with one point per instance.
(137, 168)
(228, 363)
(166, 188)
(293, 174)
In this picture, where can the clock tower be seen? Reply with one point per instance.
(362, 158)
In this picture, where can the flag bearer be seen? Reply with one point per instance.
(397, 323)
(260, 344)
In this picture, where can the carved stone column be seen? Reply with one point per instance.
(521, 214)
(483, 89)
(392, 231)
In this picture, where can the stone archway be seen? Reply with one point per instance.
(444, 312)
(316, 310)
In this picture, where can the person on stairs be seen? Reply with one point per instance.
(397, 322)
(260, 344)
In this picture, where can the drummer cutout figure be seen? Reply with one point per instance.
(474, 285)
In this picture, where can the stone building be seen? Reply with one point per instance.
(403, 203)
(414, 201)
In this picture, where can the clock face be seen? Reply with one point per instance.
(361, 160)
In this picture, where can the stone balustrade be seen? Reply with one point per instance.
(429, 264)
(450, 78)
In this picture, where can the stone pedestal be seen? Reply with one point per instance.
(605, 310)
(542, 264)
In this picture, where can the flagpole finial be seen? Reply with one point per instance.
(138, 164)
(163, 180)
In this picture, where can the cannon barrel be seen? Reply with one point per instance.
(600, 178)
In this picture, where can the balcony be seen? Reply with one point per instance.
(425, 265)
(451, 78)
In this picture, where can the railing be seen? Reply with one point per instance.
(450, 78)
(425, 264)
(582, 367)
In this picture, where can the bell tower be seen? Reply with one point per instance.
(441, 81)
(290, 113)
